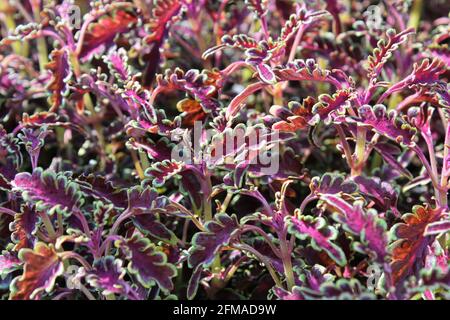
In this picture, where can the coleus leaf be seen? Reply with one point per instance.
(8, 263)
(260, 7)
(103, 213)
(160, 172)
(101, 34)
(344, 289)
(107, 275)
(147, 262)
(59, 67)
(103, 189)
(48, 190)
(164, 13)
(206, 244)
(203, 86)
(158, 151)
(332, 184)
(437, 227)
(241, 41)
(327, 106)
(363, 223)
(434, 279)
(381, 192)
(424, 75)
(390, 156)
(9, 147)
(408, 252)
(144, 203)
(388, 124)
(192, 111)
(295, 117)
(24, 227)
(321, 235)
(266, 73)
(148, 223)
(383, 52)
(42, 266)
(193, 282)
(141, 198)
(296, 20)
(34, 140)
(309, 70)
(23, 32)
(118, 64)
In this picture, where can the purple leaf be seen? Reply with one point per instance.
(388, 124)
(332, 184)
(160, 172)
(147, 262)
(8, 263)
(107, 275)
(48, 190)
(437, 227)
(320, 233)
(103, 189)
(365, 224)
(206, 244)
(380, 192)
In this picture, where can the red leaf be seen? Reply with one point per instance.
(60, 69)
(408, 253)
(42, 267)
(102, 33)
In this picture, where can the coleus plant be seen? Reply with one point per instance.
(115, 115)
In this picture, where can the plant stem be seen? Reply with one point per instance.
(226, 202)
(287, 261)
(415, 14)
(360, 150)
(345, 145)
(445, 168)
(137, 164)
(41, 44)
(264, 260)
(48, 225)
(7, 211)
(295, 44)
(433, 178)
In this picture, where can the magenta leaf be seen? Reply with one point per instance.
(437, 227)
(363, 223)
(49, 190)
(320, 234)
(388, 124)
(108, 276)
(160, 172)
(9, 262)
(380, 192)
(384, 51)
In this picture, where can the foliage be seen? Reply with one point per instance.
(201, 149)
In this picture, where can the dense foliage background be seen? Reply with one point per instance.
(113, 179)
